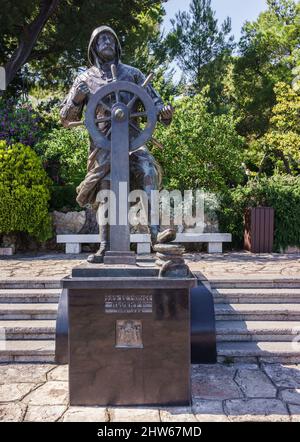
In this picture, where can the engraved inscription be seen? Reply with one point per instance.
(128, 304)
(129, 334)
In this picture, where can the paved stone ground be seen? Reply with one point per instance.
(231, 265)
(270, 392)
(243, 392)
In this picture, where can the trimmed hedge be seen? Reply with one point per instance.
(24, 192)
(282, 192)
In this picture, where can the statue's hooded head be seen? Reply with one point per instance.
(104, 46)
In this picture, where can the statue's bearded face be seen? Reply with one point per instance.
(106, 46)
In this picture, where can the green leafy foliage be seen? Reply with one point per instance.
(142, 47)
(163, 83)
(48, 110)
(24, 192)
(61, 47)
(26, 122)
(68, 148)
(269, 51)
(282, 192)
(19, 122)
(279, 149)
(201, 47)
(200, 150)
(63, 198)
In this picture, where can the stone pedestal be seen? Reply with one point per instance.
(129, 336)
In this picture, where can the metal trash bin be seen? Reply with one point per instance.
(259, 229)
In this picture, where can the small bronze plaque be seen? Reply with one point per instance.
(129, 334)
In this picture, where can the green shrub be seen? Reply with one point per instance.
(48, 111)
(69, 147)
(200, 150)
(63, 198)
(19, 122)
(24, 192)
(282, 192)
(25, 123)
(278, 150)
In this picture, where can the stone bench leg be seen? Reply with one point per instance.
(143, 248)
(215, 247)
(73, 248)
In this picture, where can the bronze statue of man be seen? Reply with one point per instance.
(104, 50)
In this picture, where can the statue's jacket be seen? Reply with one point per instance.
(142, 164)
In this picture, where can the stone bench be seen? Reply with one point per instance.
(214, 240)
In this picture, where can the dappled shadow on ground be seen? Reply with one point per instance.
(243, 257)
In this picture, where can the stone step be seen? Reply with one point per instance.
(43, 351)
(30, 283)
(29, 296)
(226, 330)
(28, 311)
(257, 312)
(27, 351)
(267, 331)
(248, 352)
(254, 282)
(28, 330)
(256, 295)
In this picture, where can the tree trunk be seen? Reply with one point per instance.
(285, 160)
(28, 39)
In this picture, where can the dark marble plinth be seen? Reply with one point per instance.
(128, 258)
(129, 337)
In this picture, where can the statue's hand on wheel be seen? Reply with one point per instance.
(166, 113)
(81, 93)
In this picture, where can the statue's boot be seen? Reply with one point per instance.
(97, 258)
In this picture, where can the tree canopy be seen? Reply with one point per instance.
(269, 50)
(201, 46)
(279, 148)
(200, 149)
(52, 35)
